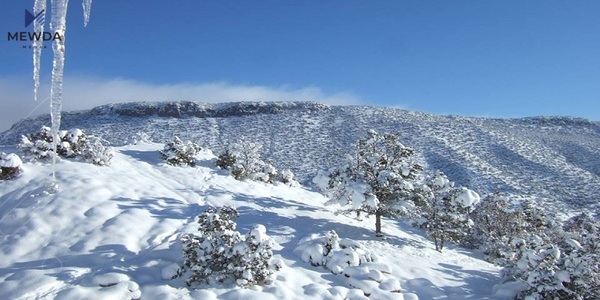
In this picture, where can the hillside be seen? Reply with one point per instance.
(120, 225)
(554, 160)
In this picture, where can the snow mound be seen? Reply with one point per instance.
(10, 160)
(467, 197)
(109, 279)
(332, 252)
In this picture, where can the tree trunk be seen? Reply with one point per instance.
(378, 223)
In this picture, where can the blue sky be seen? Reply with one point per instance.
(476, 58)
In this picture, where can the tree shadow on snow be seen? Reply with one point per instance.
(150, 157)
(475, 284)
(80, 269)
(161, 207)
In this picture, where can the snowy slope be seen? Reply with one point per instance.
(121, 224)
(554, 160)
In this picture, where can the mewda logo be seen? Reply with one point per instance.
(30, 36)
(30, 18)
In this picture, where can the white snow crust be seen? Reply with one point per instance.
(112, 233)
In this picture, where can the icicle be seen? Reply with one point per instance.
(38, 26)
(87, 8)
(59, 25)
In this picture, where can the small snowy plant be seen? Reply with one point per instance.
(286, 176)
(226, 160)
(139, 137)
(72, 143)
(248, 162)
(219, 253)
(332, 252)
(39, 144)
(10, 166)
(244, 162)
(178, 153)
(379, 178)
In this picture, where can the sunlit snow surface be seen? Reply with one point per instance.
(112, 233)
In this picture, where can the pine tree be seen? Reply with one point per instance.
(178, 153)
(226, 160)
(219, 252)
(378, 180)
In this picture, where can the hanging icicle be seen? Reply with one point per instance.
(38, 26)
(58, 24)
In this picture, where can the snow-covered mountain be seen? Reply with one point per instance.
(113, 232)
(554, 160)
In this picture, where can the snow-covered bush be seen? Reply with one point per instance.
(333, 253)
(244, 162)
(379, 178)
(581, 256)
(139, 137)
(558, 264)
(445, 209)
(226, 160)
(495, 227)
(94, 151)
(72, 143)
(10, 166)
(286, 176)
(537, 265)
(248, 162)
(39, 144)
(220, 253)
(178, 153)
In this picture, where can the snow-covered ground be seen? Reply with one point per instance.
(113, 233)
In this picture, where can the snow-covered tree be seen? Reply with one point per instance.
(139, 137)
(248, 162)
(219, 252)
(495, 226)
(537, 265)
(178, 153)
(39, 144)
(251, 260)
(10, 166)
(72, 143)
(581, 252)
(554, 263)
(226, 160)
(445, 209)
(244, 161)
(286, 176)
(378, 180)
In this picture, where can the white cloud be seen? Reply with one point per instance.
(16, 95)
